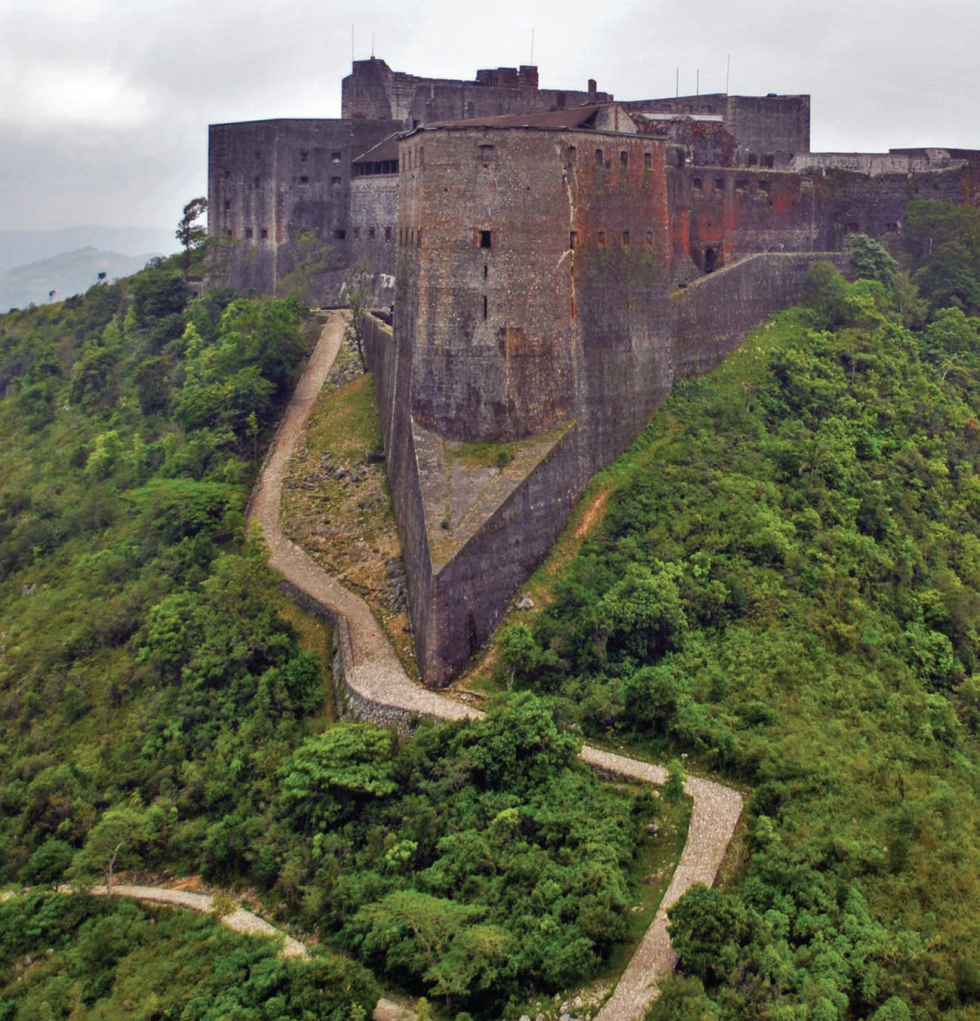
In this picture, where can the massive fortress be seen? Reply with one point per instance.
(556, 260)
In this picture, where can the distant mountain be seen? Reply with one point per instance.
(66, 274)
(20, 247)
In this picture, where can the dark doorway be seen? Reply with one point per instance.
(710, 260)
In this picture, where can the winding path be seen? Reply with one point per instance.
(375, 680)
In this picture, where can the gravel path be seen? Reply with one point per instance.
(238, 920)
(373, 673)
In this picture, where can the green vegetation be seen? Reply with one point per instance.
(784, 586)
(80, 957)
(159, 714)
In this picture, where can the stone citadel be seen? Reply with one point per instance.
(556, 259)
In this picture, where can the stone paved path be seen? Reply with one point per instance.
(238, 920)
(373, 674)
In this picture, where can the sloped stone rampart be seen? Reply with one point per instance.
(373, 685)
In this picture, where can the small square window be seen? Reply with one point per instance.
(334, 182)
(486, 153)
(304, 180)
(624, 158)
(335, 157)
(339, 235)
(485, 239)
(387, 233)
(304, 157)
(602, 237)
(598, 157)
(265, 233)
(227, 205)
(371, 233)
(248, 233)
(719, 184)
(648, 160)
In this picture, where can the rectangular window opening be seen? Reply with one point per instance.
(334, 182)
(719, 183)
(357, 233)
(598, 157)
(335, 157)
(264, 234)
(227, 205)
(304, 157)
(387, 233)
(371, 233)
(248, 233)
(573, 239)
(572, 154)
(339, 234)
(485, 239)
(765, 186)
(486, 153)
(626, 238)
(484, 306)
(649, 237)
(648, 160)
(624, 158)
(696, 184)
(304, 180)
(601, 237)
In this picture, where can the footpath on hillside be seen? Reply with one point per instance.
(374, 676)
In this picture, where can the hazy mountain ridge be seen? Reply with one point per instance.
(66, 273)
(20, 247)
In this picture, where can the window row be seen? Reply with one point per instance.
(602, 159)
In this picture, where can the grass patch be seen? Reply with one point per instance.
(337, 506)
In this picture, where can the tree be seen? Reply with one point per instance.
(518, 650)
(356, 290)
(708, 930)
(310, 258)
(113, 839)
(189, 233)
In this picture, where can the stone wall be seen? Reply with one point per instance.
(713, 315)
(271, 181)
(374, 91)
(540, 261)
(373, 215)
(535, 267)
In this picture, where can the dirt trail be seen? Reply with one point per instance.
(374, 673)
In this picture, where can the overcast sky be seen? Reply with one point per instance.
(104, 105)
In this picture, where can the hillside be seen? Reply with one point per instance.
(66, 274)
(777, 582)
(783, 587)
(165, 710)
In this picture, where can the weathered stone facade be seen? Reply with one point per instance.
(556, 260)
